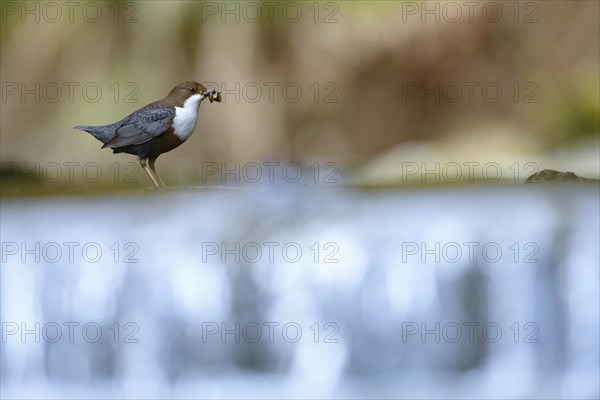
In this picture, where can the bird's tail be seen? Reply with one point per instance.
(104, 133)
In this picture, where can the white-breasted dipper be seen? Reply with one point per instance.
(156, 128)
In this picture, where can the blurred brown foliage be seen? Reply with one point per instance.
(367, 57)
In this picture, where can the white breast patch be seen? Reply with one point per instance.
(185, 119)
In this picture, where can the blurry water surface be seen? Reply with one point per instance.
(291, 293)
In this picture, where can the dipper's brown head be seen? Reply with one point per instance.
(185, 90)
(180, 93)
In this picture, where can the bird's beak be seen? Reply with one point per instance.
(212, 95)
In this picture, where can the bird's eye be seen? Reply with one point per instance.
(191, 89)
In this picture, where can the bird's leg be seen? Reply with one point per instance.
(151, 164)
(144, 164)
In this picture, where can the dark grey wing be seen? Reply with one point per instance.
(142, 126)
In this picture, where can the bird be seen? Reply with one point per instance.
(157, 128)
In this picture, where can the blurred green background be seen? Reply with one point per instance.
(365, 85)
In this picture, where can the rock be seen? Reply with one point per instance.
(550, 175)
